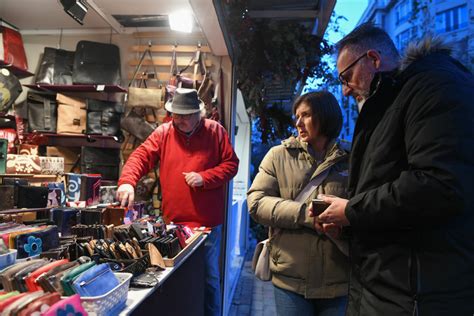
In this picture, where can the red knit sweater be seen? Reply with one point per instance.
(207, 151)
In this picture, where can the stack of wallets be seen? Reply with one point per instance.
(29, 240)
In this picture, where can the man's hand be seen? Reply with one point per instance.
(193, 179)
(335, 213)
(126, 193)
(330, 229)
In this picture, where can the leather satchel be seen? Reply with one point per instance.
(72, 115)
(42, 112)
(103, 118)
(10, 89)
(96, 63)
(137, 126)
(103, 161)
(55, 67)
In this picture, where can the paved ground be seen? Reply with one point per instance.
(252, 296)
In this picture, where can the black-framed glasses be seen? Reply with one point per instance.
(341, 77)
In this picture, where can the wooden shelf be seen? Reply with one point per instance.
(76, 88)
(70, 140)
(36, 176)
(18, 72)
(164, 61)
(170, 48)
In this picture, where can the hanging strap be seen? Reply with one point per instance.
(137, 69)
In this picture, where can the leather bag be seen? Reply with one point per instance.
(96, 63)
(103, 118)
(32, 196)
(72, 115)
(10, 89)
(55, 67)
(144, 97)
(13, 49)
(103, 161)
(137, 126)
(42, 112)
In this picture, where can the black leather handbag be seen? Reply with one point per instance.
(15, 182)
(96, 63)
(104, 161)
(42, 112)
(55, 67)
(10, 89)
(103, 117)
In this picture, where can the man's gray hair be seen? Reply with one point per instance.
(367, 36)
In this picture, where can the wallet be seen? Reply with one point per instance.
(7, 276)
(19, 277)
(40, 304)
(144, 280)
(10, 300)
(70, 276)
(8, 201)
(71, 306)
(30, 280)
(51, 280)
(33, 243)
(15, 182)
(16, 307)
(96, 281)
(32, 197)
(64, 218)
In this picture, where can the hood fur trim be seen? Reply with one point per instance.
(427, 45)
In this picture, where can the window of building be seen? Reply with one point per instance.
(403, 11)
(452, 19)
(405, 37)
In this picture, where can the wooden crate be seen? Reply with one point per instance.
(191, 242)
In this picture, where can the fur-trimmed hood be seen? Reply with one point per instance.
(426, 46)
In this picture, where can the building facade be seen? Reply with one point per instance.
(408, 20)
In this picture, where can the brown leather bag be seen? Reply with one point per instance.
(72, 115)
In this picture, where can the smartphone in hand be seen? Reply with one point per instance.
(319, 206)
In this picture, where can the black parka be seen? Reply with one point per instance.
(411, 189)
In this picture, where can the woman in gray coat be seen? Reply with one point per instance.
(309, 271)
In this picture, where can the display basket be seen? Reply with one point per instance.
(111, 303)
(8, 258)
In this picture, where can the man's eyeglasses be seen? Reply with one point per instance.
(344, 81)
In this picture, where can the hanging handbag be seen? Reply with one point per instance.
(55, 67)
(10, 89)
(13, 49)
(261, 255)
(96, 63)
(137, 126)
(145, 97)
(42, 112)
(72, 115)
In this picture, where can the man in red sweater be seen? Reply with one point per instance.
(196, 160)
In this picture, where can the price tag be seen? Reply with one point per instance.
(149, 227)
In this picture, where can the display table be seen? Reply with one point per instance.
(180, 290)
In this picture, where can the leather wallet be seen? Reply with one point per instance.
(51, 280)
(7, 276)
(69, 306)
(10, 300)
(40, 304)
(64, 218)
(96, 281)
(19, 277)
(30, 280)
(33, 243)
(90, 189)
(68, 278)
(144, 280)
(16, 307)
(32, 196)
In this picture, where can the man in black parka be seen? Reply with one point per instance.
(411, 182)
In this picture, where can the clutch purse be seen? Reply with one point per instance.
(68, 278)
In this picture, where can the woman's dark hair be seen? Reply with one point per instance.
(325, 110)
